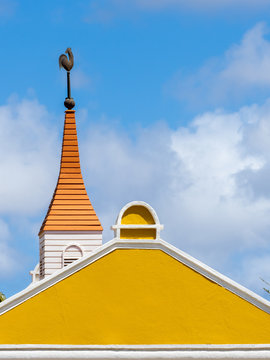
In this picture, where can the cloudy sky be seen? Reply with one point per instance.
(173, 108)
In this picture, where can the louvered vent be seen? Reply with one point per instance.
(72, 253)
(68, 261)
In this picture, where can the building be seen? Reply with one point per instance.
(135, 297)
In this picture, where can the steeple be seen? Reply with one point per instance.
(71, 227)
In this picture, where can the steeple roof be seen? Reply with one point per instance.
(70, 208)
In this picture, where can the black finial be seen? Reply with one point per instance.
(67, 64)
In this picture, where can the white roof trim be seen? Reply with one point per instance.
(35, 288)
(126, 352)
(137, 226)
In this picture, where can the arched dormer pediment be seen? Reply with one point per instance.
(137, 220)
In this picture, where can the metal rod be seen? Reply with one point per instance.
(68, 85)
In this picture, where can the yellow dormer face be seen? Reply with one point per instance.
(138, 215)
(137, 220)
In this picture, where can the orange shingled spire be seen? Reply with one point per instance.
(70, 208)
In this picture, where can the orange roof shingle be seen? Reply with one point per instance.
(70, 208)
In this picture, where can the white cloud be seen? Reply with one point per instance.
(200, 180)
(256, 270)
(119, 169)
(8, 263)
(243, 72)
(248, 64)
(28, 157)
(218, 213)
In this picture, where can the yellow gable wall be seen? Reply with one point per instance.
(135, 297)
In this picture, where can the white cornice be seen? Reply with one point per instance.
(126, 352)
(115, 244)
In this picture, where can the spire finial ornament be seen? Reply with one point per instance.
(67, 64)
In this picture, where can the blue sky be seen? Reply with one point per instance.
(173, 108)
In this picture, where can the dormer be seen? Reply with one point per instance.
(137, 220)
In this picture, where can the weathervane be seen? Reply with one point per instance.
(67, 64)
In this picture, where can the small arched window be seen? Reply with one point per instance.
(71, 253)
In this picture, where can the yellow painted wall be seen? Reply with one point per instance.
(138, 234)
(135, 297)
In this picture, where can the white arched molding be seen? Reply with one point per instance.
(118, 225)
(72, 252)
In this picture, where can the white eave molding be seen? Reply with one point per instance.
(39, 286)
(126, 352)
